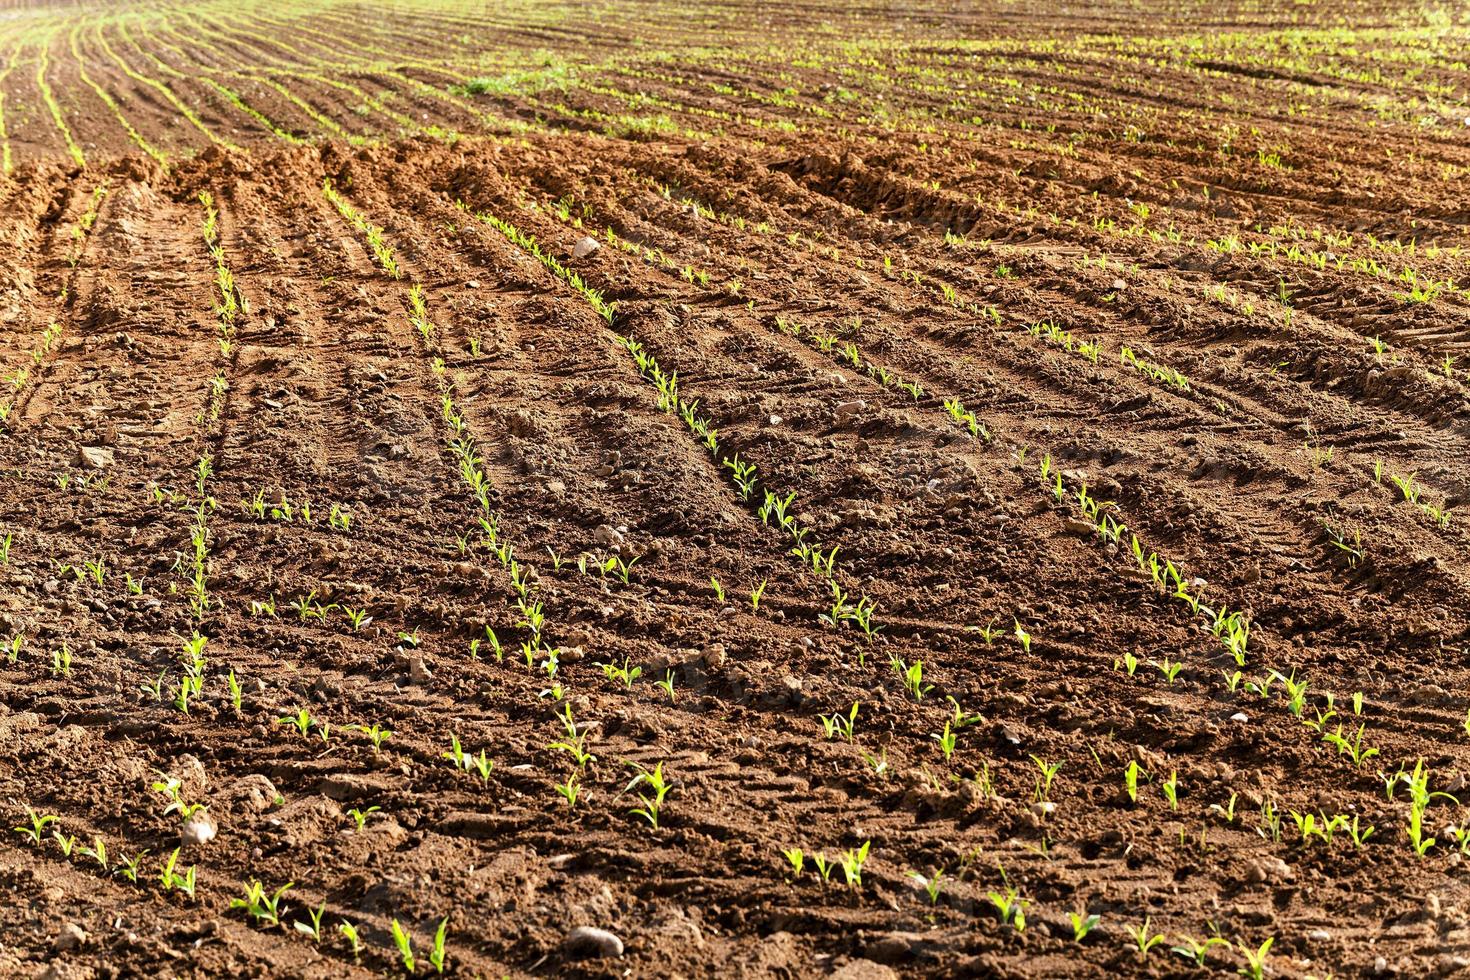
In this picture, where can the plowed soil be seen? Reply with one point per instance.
(973, 290)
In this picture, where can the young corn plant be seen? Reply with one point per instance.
(1082, 923)
(1009, 904)
(262, 908)
(437, 954)
(360, 817)
(128, 867)
(1143, 940)
(946, 740)
(312, 927)
(570, 790)
(1170, 789)
(837, 723)
(1130, 780)
(912, 676)
(1049, 772)
(35, 826)
(354, 941)
(852, 865)
(404, 942)
(932, 884)
(653, 800)
(1255, 958)
(1197, 950)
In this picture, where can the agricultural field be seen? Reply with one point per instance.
(669, 490)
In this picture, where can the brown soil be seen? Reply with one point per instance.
(797, 247)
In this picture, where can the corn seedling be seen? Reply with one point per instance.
(1196, 949)
(878, 763)
(1044, 780)
(932, 884)
(1170, 788)
(128, 867)
(171, 788)
(437, 954)
(624, 675)
(1142, 940)
(946, 740)
(376, 734)
(354, 941)
(360, 817)
(839, 724)
(1270, 828)
(170, 879)
(912, 677)
(1169, 669)
(575, 742)
(852, 865)
(824, 867)
(1255, 958)
(654, 799)
(262, 908)
(36, 827)
(301, 721)
(571, 790)
(404, 943)
(97, 852)
(312, 928)
(1009, 904)
(1130, 780)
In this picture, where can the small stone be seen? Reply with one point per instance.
(1319, 936)
(253, 792)
(418, 671)
(71, 936)
(714, 656)
(94, 457)
(198, 831)
(1241, 717)
(846, 410)
(1269, 869)
(585, 246)
(189, 771)
(776, 420)
(591, 941)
